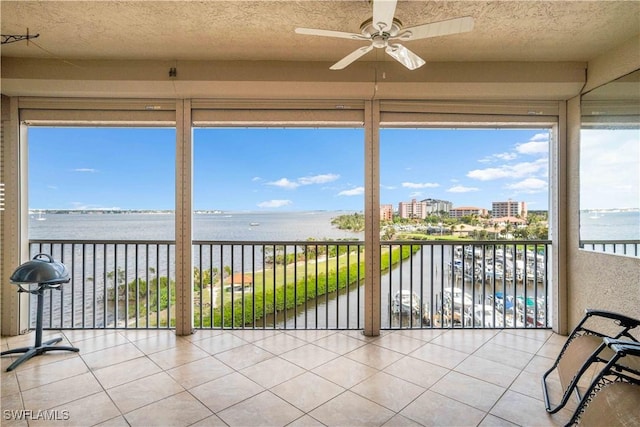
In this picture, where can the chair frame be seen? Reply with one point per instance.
(625, 323)
(613, 372)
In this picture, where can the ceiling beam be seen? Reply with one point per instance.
(290, 80)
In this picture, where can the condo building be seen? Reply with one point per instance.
(386, 212)
(467, 211)
(436, 206)
(508, 209)
(413, 209)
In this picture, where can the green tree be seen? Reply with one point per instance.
(353, 222)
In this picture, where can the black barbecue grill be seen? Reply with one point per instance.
(45, 273)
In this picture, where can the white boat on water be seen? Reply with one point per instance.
(405, 302)
(485, 316)
(458, 297)
(455, 307)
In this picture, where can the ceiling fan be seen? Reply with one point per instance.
(383, 30)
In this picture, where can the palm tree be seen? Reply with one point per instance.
(227, 271)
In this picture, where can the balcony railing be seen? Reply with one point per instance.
(300, 285)
(619, 247)
(492, 284)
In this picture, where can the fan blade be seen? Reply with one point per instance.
(383, 11)
(351, 57)
(404, 56)
(330, 33)
(435, 29)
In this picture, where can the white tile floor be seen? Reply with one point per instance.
(278, 378)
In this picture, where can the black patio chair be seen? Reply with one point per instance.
(613, 398)
(585, 347)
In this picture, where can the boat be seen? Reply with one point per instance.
(405, 302)
(426, 315)
(458, 298)
(453, 317)
(484, 315)
(502, 303)
(254, 224)
(455, 307)
(40, 217)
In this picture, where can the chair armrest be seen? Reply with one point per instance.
(626, 321)
(623, 346)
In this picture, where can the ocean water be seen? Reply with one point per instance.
(235, 226)
(610, 225)
(240, 227)
(265, 226)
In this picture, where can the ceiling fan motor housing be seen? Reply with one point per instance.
(379, 38)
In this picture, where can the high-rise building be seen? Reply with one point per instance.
(413, 209)
(421, 209)
(467, 211)
(508, 208)
(386, 212)
(436, 206)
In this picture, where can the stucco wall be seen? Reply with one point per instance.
(603, 281)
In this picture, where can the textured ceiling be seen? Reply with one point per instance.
(264, 30)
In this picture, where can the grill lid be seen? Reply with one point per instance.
(42, 271)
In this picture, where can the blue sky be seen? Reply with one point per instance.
(285, 169)
(468, 167)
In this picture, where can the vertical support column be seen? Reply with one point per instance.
(372, 218)
(14, 246)
(559, 211)
(183, 225)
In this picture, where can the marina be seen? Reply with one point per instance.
(462, 284)
(474, 289)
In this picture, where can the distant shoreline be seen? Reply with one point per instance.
(35, 211)
(164, 211)
(218, 211)
(100, 211)
(611, 210)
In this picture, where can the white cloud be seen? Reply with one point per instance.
(318, 179)
(540, 137)
(609, 169)
(420, 185)
(505, 157)
(87, 207)
(533, 147)
(284, 183)
(274, 203)
(529, 185)
(537, 145)
(462, 189)
(353, 192)
(89, 170)
(305, 180)
(516, 171)
(256, 178)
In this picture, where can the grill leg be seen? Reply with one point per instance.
(39, 347)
